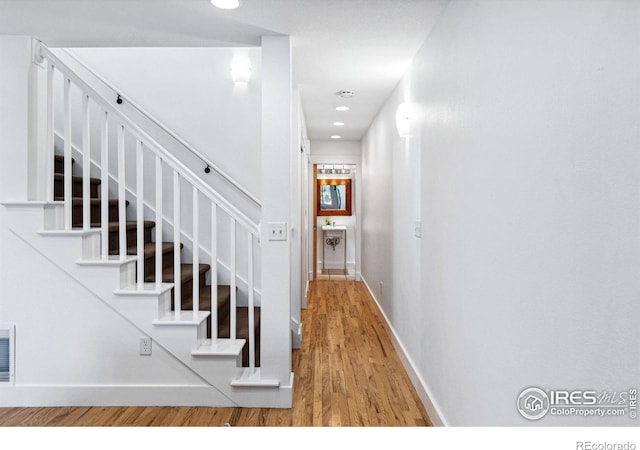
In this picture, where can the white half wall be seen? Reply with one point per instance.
(524, 169)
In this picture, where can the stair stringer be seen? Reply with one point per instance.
(112, 281)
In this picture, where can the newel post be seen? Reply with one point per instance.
(21, 104)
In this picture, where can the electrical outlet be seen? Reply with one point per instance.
(145, 346)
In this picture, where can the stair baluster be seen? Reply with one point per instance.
(86, 164)
(50, 162)
(196, 255)
(214, 272)
(251, 312)
(68, 197)
(140, 213)
(232, 264)
(159, 220)
(104, 192)
(122, 214)
(177, 289)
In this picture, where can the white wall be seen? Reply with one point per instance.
(190, 90)
(526, 155)
(305, 194)
(335, 149)
(298, 230)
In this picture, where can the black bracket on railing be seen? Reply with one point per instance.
(207, 169)
(119, 100)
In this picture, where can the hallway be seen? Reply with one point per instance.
(346, 374)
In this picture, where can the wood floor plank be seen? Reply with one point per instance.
(347, 373)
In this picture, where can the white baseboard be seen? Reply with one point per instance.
(296, 334)
(53, 396)
(423, 391)
(351, 265)
(306, 295)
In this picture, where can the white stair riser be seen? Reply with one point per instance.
(100, 279)
(54, 216)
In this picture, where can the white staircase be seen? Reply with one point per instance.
(118, 280)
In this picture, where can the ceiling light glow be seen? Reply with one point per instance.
(405, 115)
(241, 69)
(335, 136)
(338, 124)
(225, 4)
(342, 108)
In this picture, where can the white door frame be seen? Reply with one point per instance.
(337, 159)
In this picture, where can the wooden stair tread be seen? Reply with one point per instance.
(76, 179)
(78, 201)
(149, 249)
(130, 225)
(59, 159)
(186, 273)
(242, 324)
(224, 297)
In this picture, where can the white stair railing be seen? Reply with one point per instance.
(149, 150)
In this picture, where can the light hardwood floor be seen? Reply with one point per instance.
(347, 373)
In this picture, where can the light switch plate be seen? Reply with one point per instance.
(277, 231)
(418, 229)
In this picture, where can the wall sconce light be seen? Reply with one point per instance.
(404, 119)
(241, 70)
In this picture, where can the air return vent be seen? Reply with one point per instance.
(6, 354)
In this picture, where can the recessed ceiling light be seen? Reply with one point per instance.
(225, 4)
(342, 108)
(335, 136)
(338, 124)
(346, 94)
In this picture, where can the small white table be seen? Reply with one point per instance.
(331, 235)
